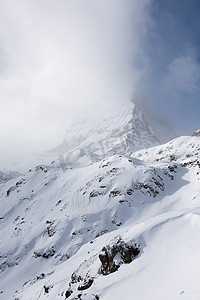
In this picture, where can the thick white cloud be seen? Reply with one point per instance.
(60, 58)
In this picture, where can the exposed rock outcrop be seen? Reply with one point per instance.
(112, 257)
(197, 132)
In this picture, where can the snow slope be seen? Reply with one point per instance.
(8, 175)
(55, 223)
(60, 220)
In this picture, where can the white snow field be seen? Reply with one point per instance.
(114, 216)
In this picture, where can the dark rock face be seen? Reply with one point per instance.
(196, 133)
(86, 285)
(68, 294)
(112, 257)
(46, 289)
(46, 254)
(78, 283)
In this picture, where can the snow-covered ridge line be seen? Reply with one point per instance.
(58, 221)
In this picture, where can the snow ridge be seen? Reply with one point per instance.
(105, 224)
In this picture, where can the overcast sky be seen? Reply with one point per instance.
(61, 58)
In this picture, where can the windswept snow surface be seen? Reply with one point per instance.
(55, 222)
(104, 185)
(8, 175)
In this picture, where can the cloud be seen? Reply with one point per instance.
(61, 58)
(182, 76)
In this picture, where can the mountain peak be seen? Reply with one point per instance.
(123, 129)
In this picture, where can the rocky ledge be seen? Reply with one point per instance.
(197, 132)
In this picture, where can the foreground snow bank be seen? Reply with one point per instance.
(55, 224)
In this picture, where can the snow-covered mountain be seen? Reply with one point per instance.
(120, 128)
(123, 129)
(111, 218)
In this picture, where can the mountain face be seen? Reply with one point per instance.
(121, 130)
(110, 218)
